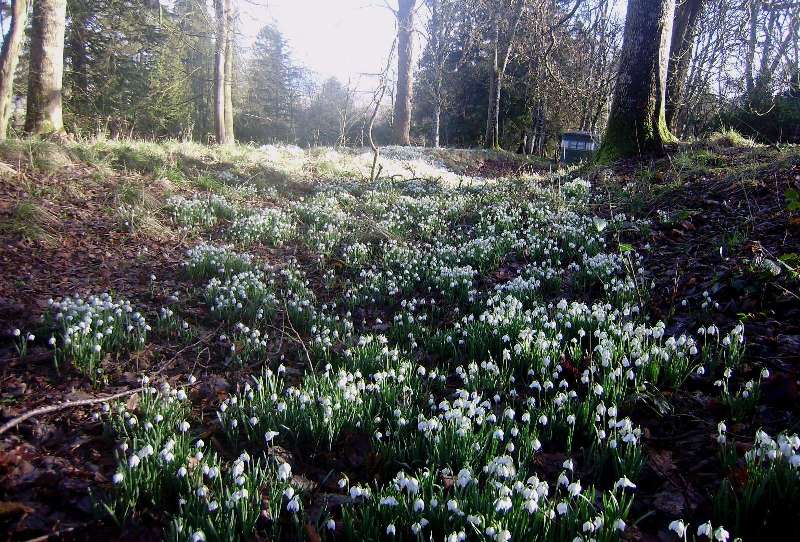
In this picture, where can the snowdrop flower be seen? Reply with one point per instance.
(390, 529)
(198, 536)
(503, 505)
(619, 525)
(284, 471)
(270, 435)
(118, 478)
(704, 529)
(330, 525)
(133, 461)
(624, 483)
(678, 527)
(293, 506)
(721, 535)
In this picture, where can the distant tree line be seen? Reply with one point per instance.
(498, 73)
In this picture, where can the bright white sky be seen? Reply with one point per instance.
(340, 38)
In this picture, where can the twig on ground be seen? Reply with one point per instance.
(63, 406)
(298, 337)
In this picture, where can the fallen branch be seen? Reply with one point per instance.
(63, 406)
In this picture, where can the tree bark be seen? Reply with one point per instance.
(637, 122)
(684, 28)
(405, 53)
(229, 135)
(9, 57)
(44, 109)
(219, 72)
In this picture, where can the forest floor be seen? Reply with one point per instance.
(470, 329)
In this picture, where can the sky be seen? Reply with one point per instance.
(339, 38)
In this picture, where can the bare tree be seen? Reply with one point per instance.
(637, 121)
(684, 28)
(504, 16)
(405, 53)
(447, 17)
(44, 108)
(9, 56)
(377, 98)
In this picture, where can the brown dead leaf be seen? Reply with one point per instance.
(13, 508)
(312, 533)
(133, 402)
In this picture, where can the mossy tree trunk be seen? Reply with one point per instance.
(405, 53)
(9, 57)
(637, 123)
(44, 113)
(687, 14)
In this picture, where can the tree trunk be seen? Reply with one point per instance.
(687, 15)
(493, 116)
(437, 111)
(44, 111)
(229, 136)
(637, 123)
(219, 73)
(437, 123)
(405, 53)
(12, 43)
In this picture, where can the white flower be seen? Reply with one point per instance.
(293, 505)
(503, 505)
(619, 525)
(133, 461)
(678, 527)
(390, 530)
(198, 536)
(330, 525)
(704, 529)
(270, 435)
(284, 471)
(624, 483)
(721, 535)
(118, 478)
